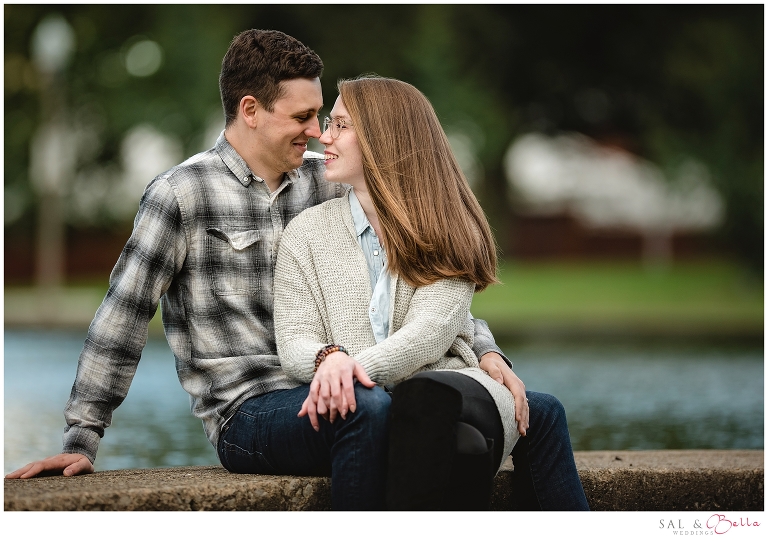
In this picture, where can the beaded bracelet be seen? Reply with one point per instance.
(327, 350)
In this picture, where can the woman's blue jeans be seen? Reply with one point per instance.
(266, 436)
(545, 475)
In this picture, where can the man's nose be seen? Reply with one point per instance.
(314, 129)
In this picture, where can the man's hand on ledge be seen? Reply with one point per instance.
(494, 364)
(67, 464)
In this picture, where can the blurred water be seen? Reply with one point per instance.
(152, 428)
(650, 396)
(616, 397)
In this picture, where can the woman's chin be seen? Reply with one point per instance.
(331, 176)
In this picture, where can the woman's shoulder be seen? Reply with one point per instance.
(318, 214)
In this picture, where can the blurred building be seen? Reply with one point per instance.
(575, 198)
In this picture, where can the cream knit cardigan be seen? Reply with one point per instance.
(322, 294)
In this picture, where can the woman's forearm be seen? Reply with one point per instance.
(437, 314)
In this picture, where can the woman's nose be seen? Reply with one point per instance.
(326, 138)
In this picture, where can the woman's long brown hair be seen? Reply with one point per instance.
(432, 224)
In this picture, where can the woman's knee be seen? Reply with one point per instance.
(372, 403)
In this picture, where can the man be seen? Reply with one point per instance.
(205, 240)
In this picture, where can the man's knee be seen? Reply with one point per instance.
(545, 407)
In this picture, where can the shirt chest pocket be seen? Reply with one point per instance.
(235, 260)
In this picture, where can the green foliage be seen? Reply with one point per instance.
(697, 298)
(666, 82)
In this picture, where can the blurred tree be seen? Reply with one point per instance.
(666, 82)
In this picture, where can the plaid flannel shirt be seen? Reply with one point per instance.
(204, 240)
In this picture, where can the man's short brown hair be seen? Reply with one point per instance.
(256, 62)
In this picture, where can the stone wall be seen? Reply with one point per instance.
(613, 481)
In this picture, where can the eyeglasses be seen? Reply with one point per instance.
(335, 125)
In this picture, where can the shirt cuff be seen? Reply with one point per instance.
(494, 349)
(82, 441)
(484, 341)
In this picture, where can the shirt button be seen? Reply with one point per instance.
(373, 310)
(375, 252)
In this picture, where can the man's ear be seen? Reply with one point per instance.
(250, 110)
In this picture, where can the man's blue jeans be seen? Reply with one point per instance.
(545, 476)
(266, 436)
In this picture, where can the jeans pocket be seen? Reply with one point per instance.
(241, 449)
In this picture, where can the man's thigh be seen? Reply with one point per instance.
(266, 436)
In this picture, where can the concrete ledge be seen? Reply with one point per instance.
(613, 481)
(673, 480)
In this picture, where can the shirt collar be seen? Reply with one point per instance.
(240, 169)
(358, 214)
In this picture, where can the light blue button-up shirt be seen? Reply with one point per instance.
(376, 258)
(380, 277)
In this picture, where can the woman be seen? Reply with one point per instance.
(395, 301)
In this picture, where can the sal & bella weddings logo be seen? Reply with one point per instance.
(716, 524)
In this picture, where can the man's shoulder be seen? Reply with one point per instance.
(196, 167)
(315, 158)
(313, 166)
(187, 177)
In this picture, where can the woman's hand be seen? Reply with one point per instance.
(332, 390)
(499, 370)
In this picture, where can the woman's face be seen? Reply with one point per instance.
(343, 158)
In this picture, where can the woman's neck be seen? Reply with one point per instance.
(370, 212)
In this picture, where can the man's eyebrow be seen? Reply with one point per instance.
(310, 111)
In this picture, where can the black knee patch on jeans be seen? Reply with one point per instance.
(469, 440)
(436, 462)
(471, 481)
(422, 443)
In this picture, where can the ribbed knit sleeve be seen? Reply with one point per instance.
(322, 293)
(321, 289)
(435, 316)
(300, 328)
(298, 325)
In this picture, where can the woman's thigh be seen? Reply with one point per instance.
(266, 436)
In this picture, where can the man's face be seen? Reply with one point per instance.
(281, 135)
